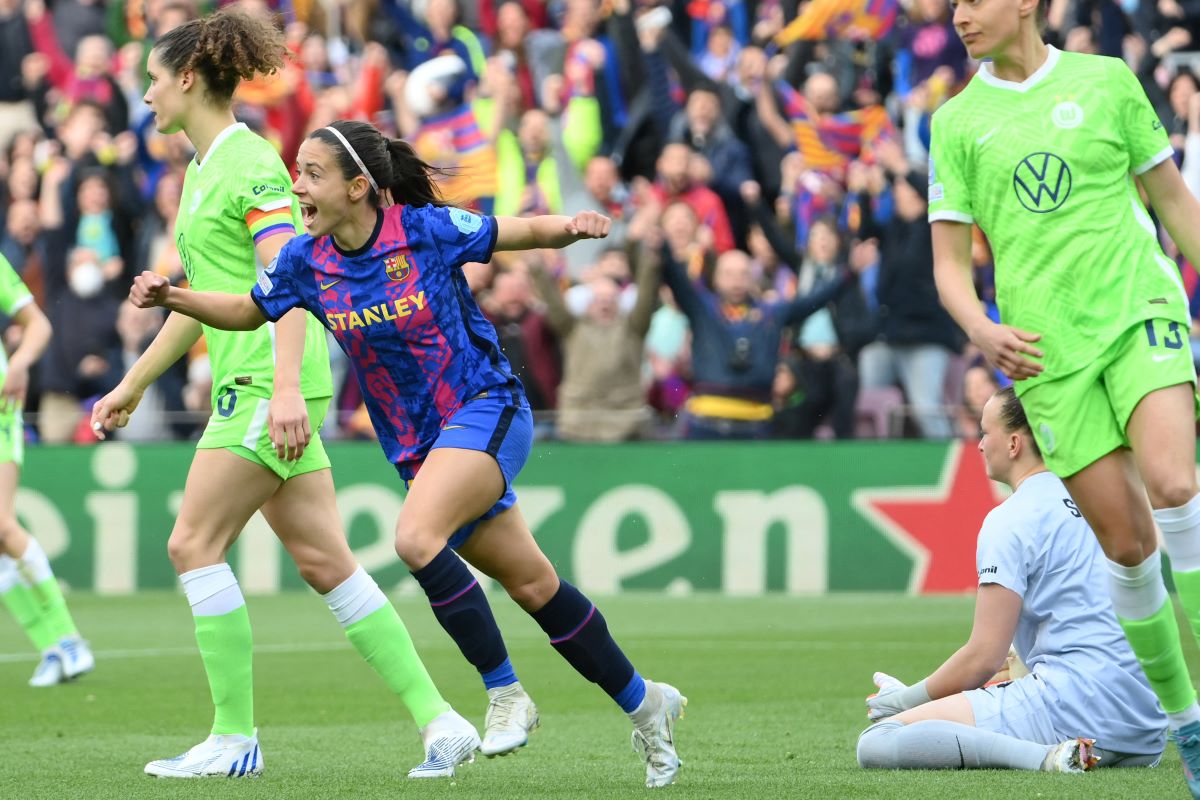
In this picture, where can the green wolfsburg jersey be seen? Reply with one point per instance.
(13, 297)
(240, 194)
(1044, 168)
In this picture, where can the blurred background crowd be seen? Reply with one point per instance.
(764, 161)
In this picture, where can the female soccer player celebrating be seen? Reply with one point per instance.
(1039, 150)
(258, 450)
(1038, 567)
(451, 417)
(27, 585)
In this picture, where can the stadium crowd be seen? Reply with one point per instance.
(770, 267)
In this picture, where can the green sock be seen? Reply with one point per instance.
(383, 641)
(227, 649)
(1155, 642)
(55, 615)
(28, 613)
(1187, 586)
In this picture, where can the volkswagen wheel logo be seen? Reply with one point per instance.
(1042, 182)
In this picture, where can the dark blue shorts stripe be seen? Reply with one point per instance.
(502, 425)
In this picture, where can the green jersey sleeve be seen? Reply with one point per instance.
(13, 293)
(949, 177)
(1145, 138)
(264, 199)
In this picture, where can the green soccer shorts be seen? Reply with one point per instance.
(239, 424)
(12, 438)
(1080, 418)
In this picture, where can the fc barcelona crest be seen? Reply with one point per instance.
(397, 267)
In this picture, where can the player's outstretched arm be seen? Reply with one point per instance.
(228, 312)
(549, 230)
(1003, 345)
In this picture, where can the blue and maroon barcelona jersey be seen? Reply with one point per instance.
(401, 309)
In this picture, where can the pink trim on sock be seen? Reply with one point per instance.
(578, 628)
(468, 588)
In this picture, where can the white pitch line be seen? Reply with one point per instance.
(159, 652)
(647, 643)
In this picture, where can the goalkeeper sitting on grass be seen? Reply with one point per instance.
(1042, 585)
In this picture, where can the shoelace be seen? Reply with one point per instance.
(643, 747)
(501, 710)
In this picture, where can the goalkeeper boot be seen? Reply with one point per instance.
(1187, 739)
(227, 755)
(653, 732)
(1073, 755)
(449, 741)
(511, 717)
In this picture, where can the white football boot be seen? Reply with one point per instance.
(653, 732)
(77, 658)
(511, 717)
(1073, 755)
(49, 671)
(226, 755)
(449, 741)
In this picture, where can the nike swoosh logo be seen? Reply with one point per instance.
(987, 136)
(1157, 125)
(1163, 357)
(331, 283)
(452, 427)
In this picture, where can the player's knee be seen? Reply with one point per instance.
(191, 548)
(878, 746)
(318, 570)
(532, 594)
(417, 544)
(1173, 491)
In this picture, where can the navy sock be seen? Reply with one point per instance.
(461, 607)
(578, 632)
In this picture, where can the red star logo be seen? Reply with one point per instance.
(937, 526)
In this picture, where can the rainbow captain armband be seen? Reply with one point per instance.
(270, 218)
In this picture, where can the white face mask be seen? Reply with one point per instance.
(87, 280)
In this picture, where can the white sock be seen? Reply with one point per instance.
(1137, 592)
(212, 591)
(34, 564)
(1181, 532)
(941, 744)
(355, 598)
(8, 574)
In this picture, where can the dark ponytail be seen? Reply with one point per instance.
(391, 163)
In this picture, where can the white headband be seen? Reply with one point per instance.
(354, 156)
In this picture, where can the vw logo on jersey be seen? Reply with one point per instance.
(1042, 182)
(1067, 114)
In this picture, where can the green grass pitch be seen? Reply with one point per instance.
(775, 686)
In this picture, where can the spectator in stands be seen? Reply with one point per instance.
(673, 183)
(735, 342)
(82, 358)
(525, 335)
(915, 336)
(601, 397)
